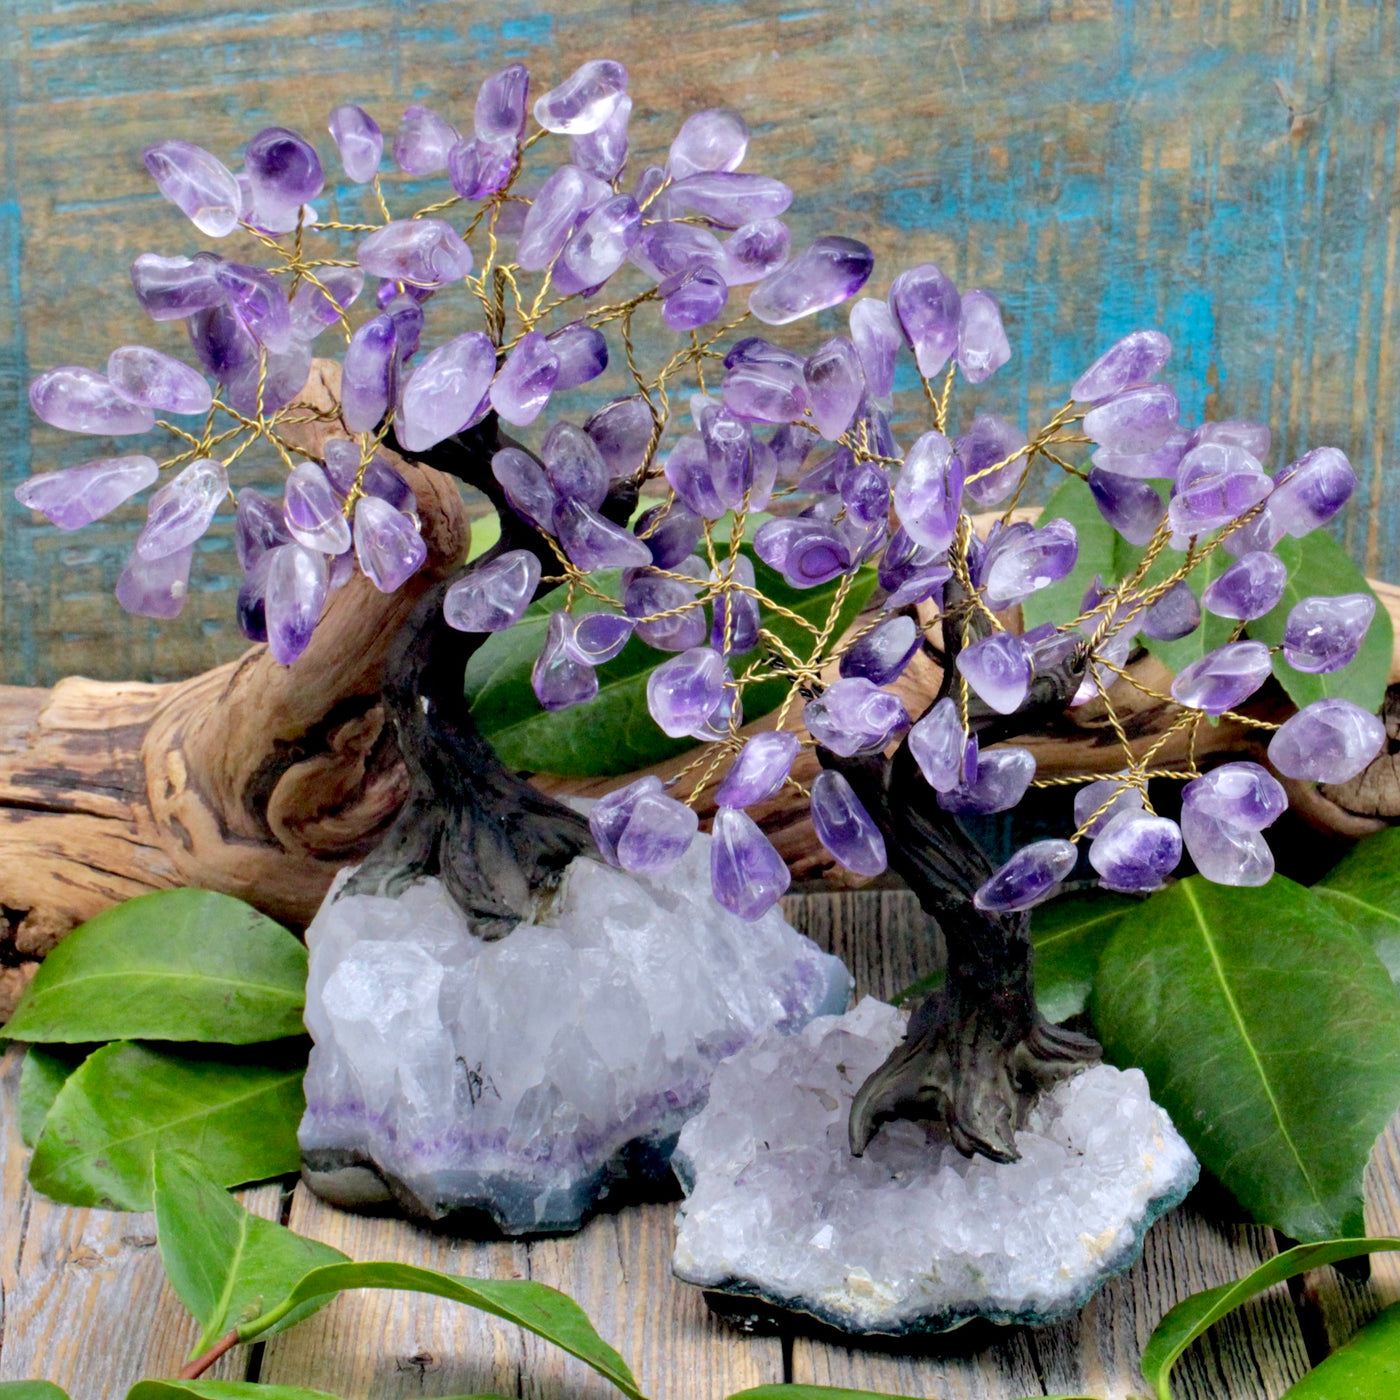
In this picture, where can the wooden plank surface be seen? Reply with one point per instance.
(1226, 171)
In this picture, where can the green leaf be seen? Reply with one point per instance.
(226, 1265)
(42, 1075)
(1366, 1368)
(1317, 564)
(534, 1306)
(1073, 501)
(1269, 1032)
(1191, 1317)
(836, 1392)
(239, 1119)
(187, 965)
(221, 1390)
(1068, 935)
(614, 733)
(31, 1390)
(1364, 888)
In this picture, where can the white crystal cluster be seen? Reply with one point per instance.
(524, 1077)
(913, 1236)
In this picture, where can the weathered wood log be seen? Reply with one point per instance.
(262, 781)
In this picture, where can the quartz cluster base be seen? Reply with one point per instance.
(527, 1078)
(912, 1237)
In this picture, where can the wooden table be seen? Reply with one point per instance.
(84, 1302)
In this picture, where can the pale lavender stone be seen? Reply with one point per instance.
(387, 544)
(928, 493)
(443, 392)
(257, 526)
(729, 199)
(661, 611)
(598, 637)
(1136, 421)
(766, 388)
(835, 386)
(582, 353)
(754, 250)
(313, 512)
(693, 299)
(524, 383)
(1225, 853)
(553, 214)
(341, 569)
(748, 876)
(584, 100)
(284, 169)
(946, 754)
(669, 249)
(1329, 741)
(806, 552)
(877, 340)
(591, 542)
(314, 308)
(715, 139)
(499, 114)
(671, 531)
(905, 562)
(844, 827)
(423, 140)
(494, 595)
(853, 716)
(279, 382)
(608, 817)
(760, 770)
(1018, 565)
(1003, 775)
(1310, 491)
(1215, 483)
(998, 668)
(148, 377)
(366, 387)
(182, 510)
(622, 430)
(1324, 634)
(1032, 875)
(658, 833)
(155, 587)
(1252, 586)
(170, 289)
(1136, 359)
(1223, 678)
(926, 305)
(477, 168)
(982, 344)
(1116, 797)
(558, 678)
(407, 315)
(690, 475)
(83, 401)
(222, 342)
(1176, 614)
(1242, 795)
(260, 302)
(599, 246)
(1136, 852)
(426, 252)
(297, 585)
(825, 274)
(1260, 533)
(342, 463)
(1130, 505)
(684, 692)
(1162, 461)
(359, 140)
(1254, 438)
(728, 443)
(200, 185)
(574, 466)
(603, 151)
(79, 495)
(987, 444)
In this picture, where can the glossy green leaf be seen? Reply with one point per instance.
(1190, 1318)
(1068, 935)
(613, 733)
(42, 1075)
(836, 1392)
(1317, 564)
(1073, 501)
(1365, 890)
(125, 1101)
(187, 965)
(221, 1390)
(1269, 1032)
(226, 1265)
(534, 1306)
(31, 1390)
(1366, 1368)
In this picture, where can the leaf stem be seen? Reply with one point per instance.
(201, 1364)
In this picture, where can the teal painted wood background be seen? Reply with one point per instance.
(1224, 169)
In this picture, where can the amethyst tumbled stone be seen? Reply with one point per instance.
(1134, 853)
(1324, 634)
(1329, 741)
(853, 716)
(493, 596)
(1033, 874)
(844, 827)
(829, 272)
(1223, 678)
(748, 876)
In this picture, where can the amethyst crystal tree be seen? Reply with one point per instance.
(670, 518)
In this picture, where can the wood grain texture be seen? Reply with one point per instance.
(83, 1298)
(1226, 171)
